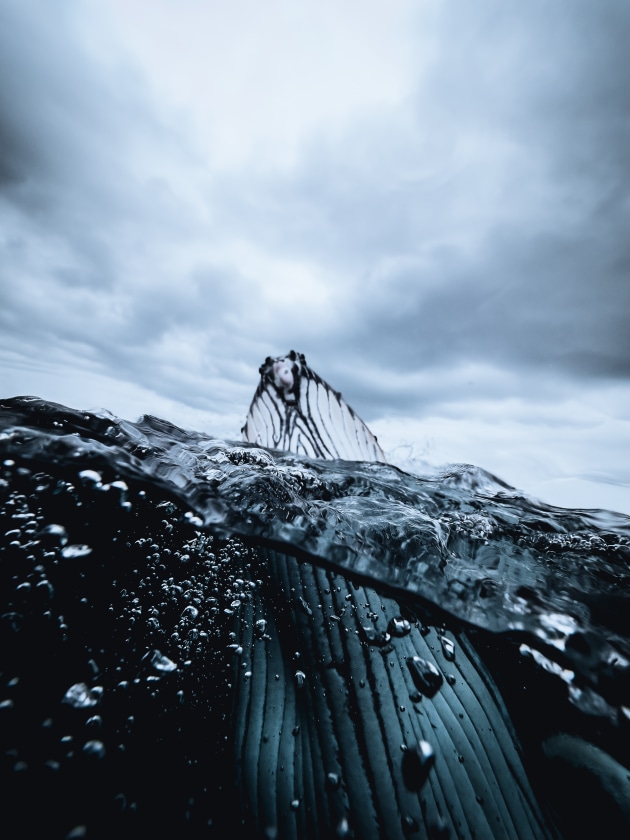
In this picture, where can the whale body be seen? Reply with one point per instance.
(353, 718)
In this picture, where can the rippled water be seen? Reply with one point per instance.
(129, 547)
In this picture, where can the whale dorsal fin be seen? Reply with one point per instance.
(295, 410)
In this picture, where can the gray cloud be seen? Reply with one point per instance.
(467, 240)
(493, 226)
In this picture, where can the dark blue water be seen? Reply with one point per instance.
(122, 564)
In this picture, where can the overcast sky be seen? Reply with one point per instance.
(429, 199)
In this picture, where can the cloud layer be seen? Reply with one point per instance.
(431, 204)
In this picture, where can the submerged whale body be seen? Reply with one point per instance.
(355, 667)
(205, 638)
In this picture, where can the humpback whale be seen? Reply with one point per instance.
(188, 646)
(352, 718)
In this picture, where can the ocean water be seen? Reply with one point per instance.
(131, 549)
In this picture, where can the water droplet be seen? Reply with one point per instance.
(378, 638)
(332, 781)
(425, 675)
(409, 824)
(305, 606)
(343, 828)
(398, 626)
(448, 648)
(416, 763)
(82, 697)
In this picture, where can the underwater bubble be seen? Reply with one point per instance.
(120, 801)
(425, 675)
(190, 613)
(398, 626)
(54, 534)
(547, 664)
(295, 804)
(95, 749)
(91, 477)
(448, 648)
(77, 550)
(416, 763)
(52, 765)
(95, 721)
(300, 678)
(80, 696)
(161, 664)
(45, 588)
(77, 833)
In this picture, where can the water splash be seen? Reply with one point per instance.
(461, 542)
